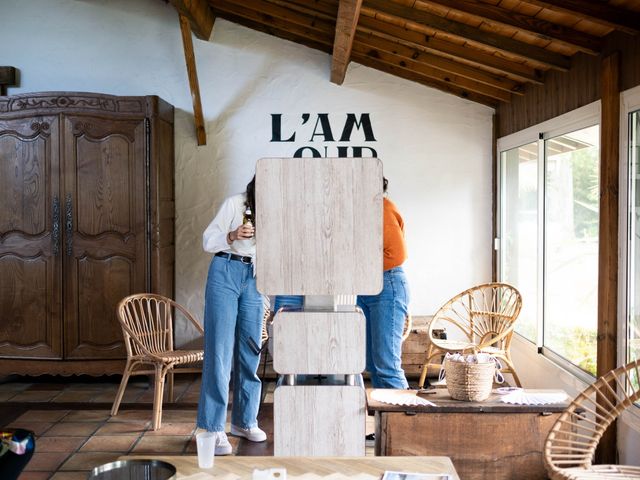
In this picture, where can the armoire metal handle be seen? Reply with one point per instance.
(69, 224)
(55, 234)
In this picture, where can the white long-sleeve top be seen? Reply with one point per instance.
(228, 218)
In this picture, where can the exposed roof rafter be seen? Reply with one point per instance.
(468, 33)
(199, 14)
(535, 26)
(596, 11)
(346, 23)
(454, 51)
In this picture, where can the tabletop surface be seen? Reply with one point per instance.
(243, 467)
(446, 404)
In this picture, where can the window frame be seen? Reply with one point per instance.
(629, 102)
(580, 118)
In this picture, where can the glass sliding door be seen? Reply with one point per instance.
(633, 280)
(519, 230)
(571, 218)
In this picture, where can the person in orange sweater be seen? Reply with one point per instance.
(386, 311)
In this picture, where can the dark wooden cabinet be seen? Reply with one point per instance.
(86, 218)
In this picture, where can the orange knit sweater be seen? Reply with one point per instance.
(395, 250)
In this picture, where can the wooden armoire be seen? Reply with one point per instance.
(86, 218)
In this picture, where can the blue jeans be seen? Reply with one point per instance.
(232, 328)
(287, 301)
(385, 314)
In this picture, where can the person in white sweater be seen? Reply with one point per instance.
(233, 324)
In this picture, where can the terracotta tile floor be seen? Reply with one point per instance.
(75, 432)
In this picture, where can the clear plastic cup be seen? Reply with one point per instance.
(206, 445)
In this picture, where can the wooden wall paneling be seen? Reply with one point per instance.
(311, 229)
(608, 240)
(30, 242)
(564, 92)
(347, 20)
(192, 72)
(104, 244)
(319, 343)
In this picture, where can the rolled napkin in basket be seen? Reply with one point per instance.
(470, 377)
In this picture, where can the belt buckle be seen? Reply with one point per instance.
(242, 259)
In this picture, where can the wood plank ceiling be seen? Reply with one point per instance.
(483, 50)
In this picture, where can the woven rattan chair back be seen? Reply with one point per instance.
(147, 322)
(572, 440)
(481, 318)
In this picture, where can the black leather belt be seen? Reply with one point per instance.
(233, 256)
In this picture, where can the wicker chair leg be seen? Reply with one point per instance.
(157, 397)
(123, 385)
(425, 367)
(170, 384)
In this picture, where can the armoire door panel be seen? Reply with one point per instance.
(106, 182)
(30, 266)
(105, 281)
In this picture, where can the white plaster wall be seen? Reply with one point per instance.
(436, 148)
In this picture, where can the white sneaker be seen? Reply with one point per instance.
(223, 447)
(254, 434)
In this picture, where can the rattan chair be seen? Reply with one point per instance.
(147, 325)
(572, 441)
(479, 319)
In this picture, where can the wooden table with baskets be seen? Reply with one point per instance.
(488, 439)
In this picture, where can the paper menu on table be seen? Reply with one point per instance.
(389, 475)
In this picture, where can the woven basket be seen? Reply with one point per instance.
(471, 382)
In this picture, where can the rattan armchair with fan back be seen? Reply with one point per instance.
(572, 440)
(147, 326)
(482, 319)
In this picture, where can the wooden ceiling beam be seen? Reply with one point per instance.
(414, 39)
(346, 23)
(308, 31)
(199, 14)
(433, 73)
(259, 20)
(540, 28)
(441, 63)
(429, 82)
(595, 11)
(467, 32)
(268, 10)
(290, 34)
(190, 60)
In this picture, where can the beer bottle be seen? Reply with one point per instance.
(247, 217)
